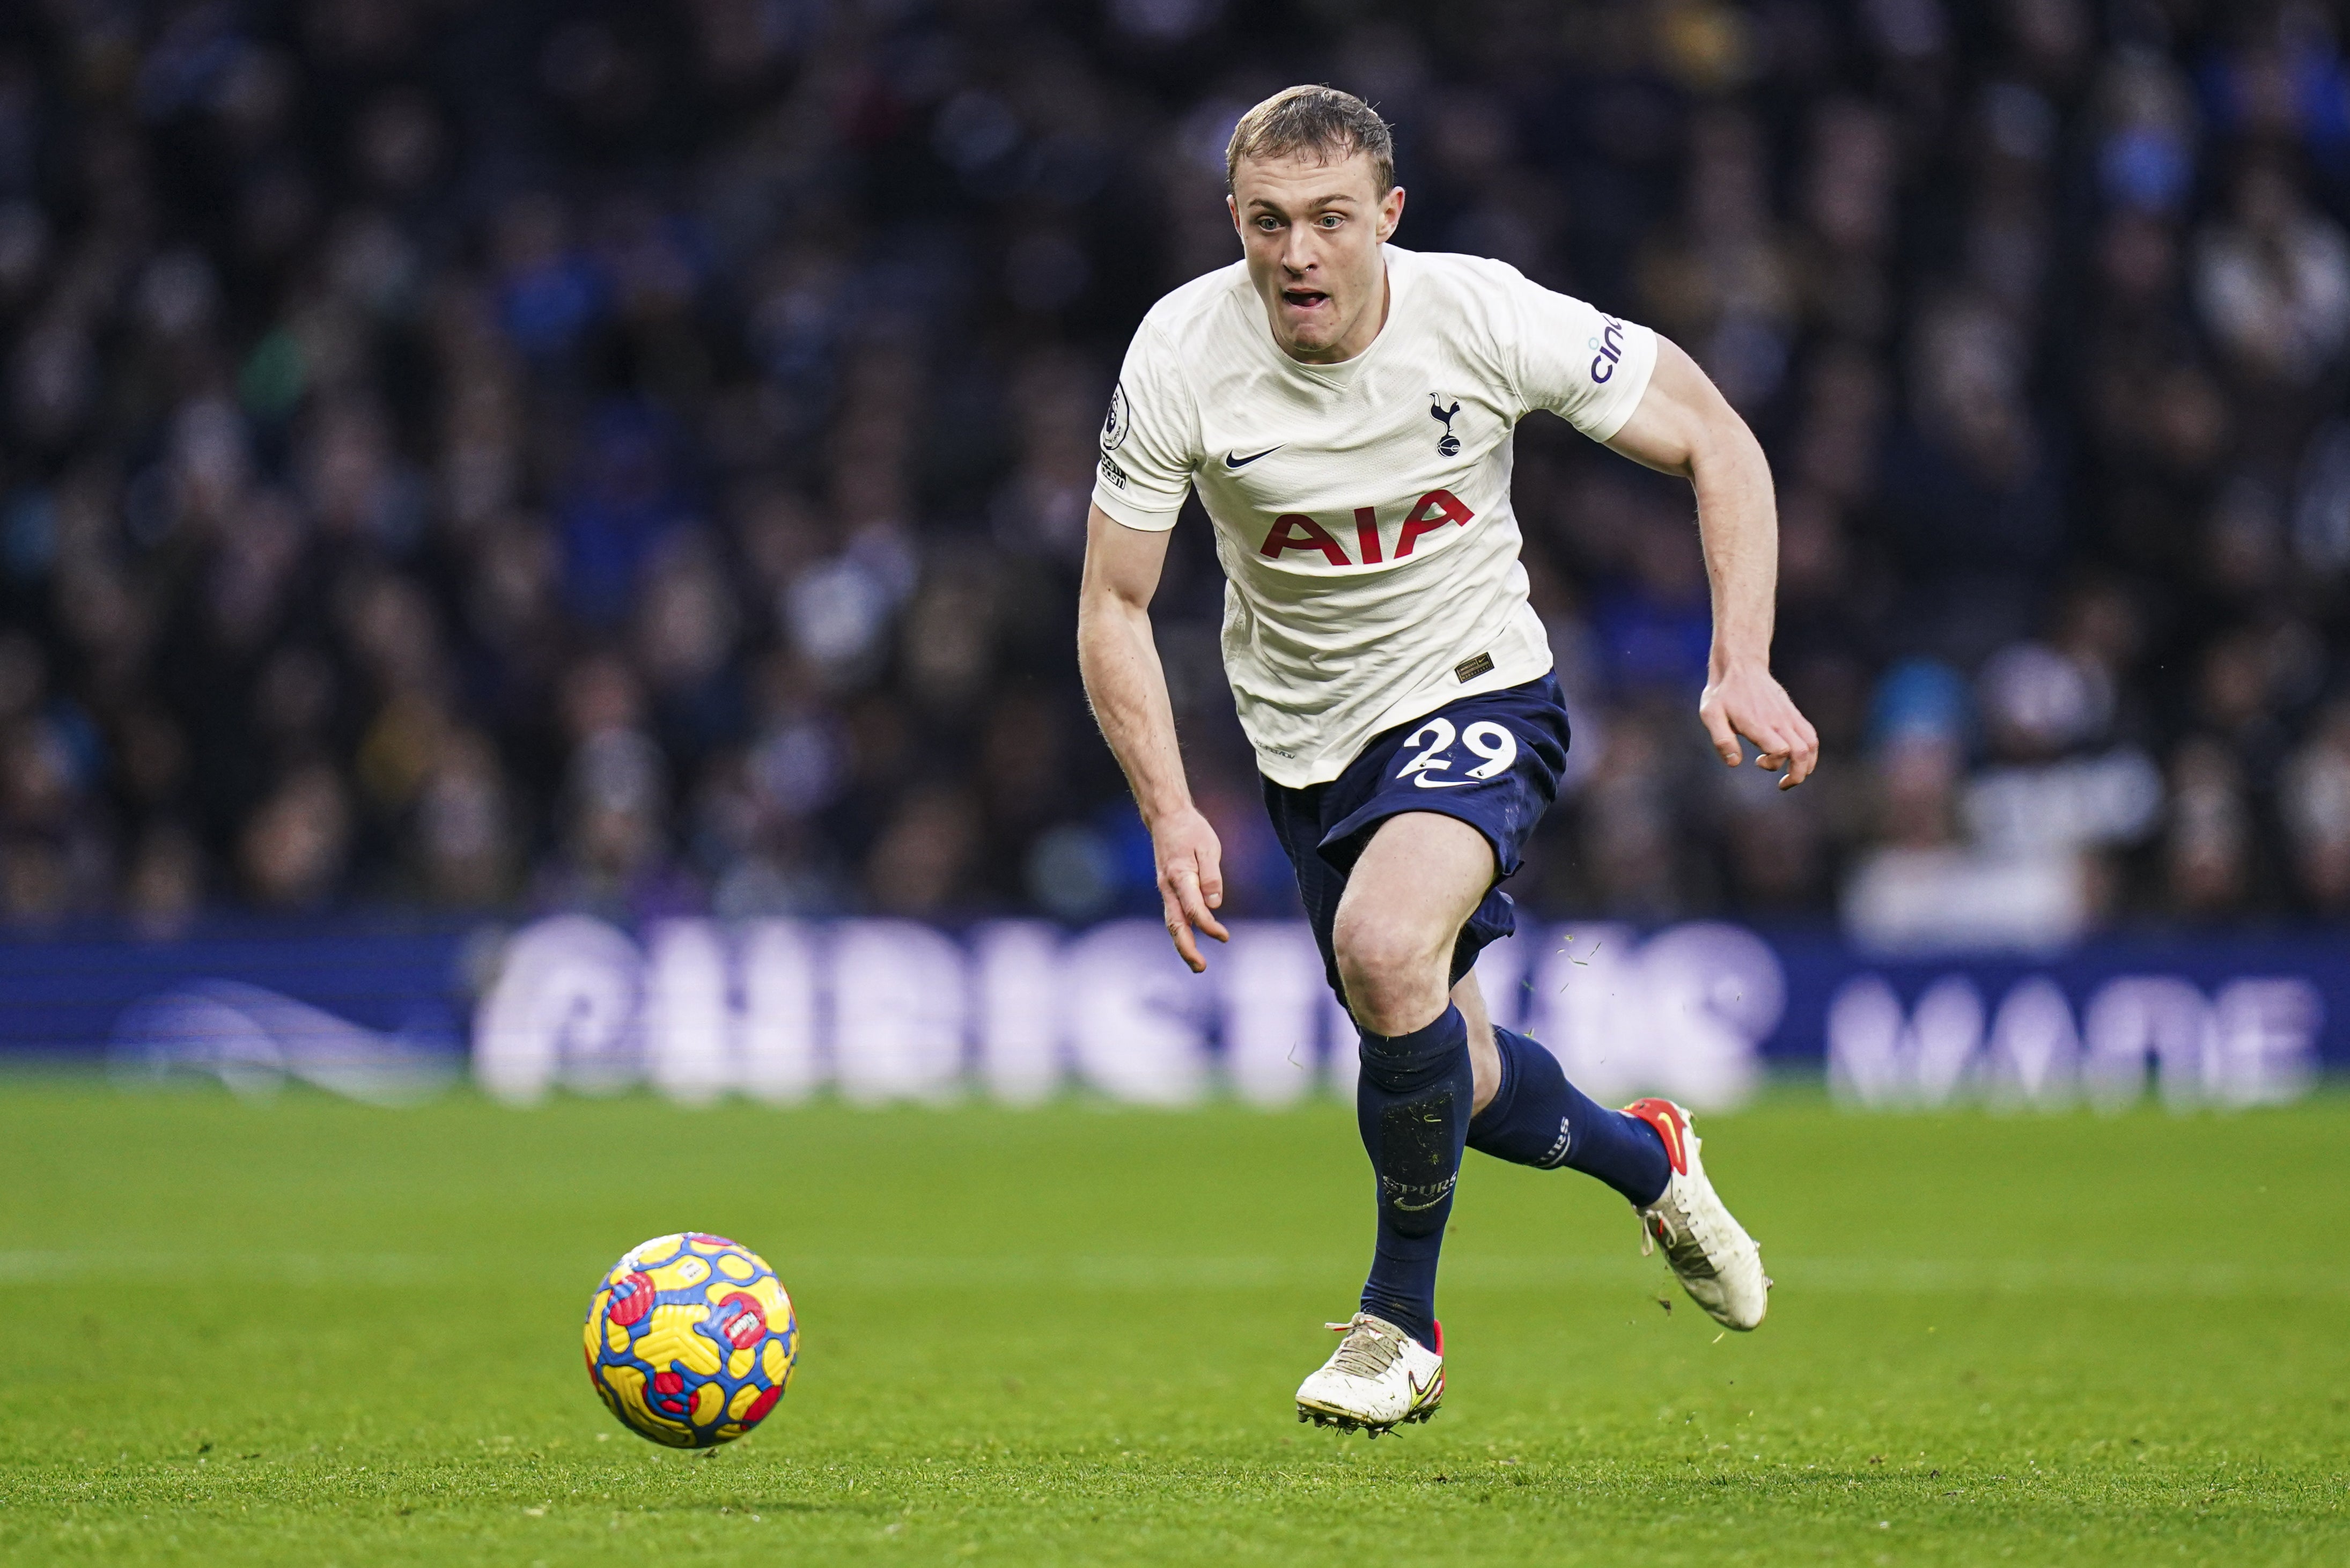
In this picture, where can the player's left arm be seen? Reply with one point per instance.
(1684, 425)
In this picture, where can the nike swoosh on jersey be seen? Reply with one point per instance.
(1232, 461)
(1424, 781)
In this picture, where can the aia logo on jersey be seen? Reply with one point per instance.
(1297, 531)
(1449, 444)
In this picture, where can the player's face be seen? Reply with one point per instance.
(1312, 232)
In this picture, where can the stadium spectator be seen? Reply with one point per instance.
(636, 459)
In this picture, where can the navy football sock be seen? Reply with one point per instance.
(1537, 1117)
(1412, 1104)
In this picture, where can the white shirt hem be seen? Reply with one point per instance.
(1297, 773)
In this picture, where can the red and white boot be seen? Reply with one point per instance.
(1715, 1260)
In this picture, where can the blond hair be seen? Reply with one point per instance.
(1321, 122)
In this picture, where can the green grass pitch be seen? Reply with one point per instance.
(311, 1332)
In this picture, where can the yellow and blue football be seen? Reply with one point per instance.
(691, 1340)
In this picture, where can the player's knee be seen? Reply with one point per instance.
(1371, 951)
(1392, 974)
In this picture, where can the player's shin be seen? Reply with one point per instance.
(1412, 1105)
(1537, 1117)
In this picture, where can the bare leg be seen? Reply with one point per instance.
(1417, 882)
(1484, 1057)
(1415, 885)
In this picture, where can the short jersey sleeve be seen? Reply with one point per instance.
(1151, 441)
(1588, 368)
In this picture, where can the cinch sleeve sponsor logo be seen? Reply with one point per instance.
(1111, 471)
(1297, 531)
(1610, 346)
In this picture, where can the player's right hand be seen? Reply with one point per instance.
(1191, 880)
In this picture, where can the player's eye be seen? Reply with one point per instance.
(1331, 219)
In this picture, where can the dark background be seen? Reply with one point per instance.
(633, 458)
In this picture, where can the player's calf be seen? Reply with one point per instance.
(1411, 1106)
(1537, 1117)
(1410, 890)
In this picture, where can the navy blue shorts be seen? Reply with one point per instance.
(1492, 760)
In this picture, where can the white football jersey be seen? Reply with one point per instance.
(1362, 510)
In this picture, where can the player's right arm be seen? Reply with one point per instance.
(1128, 689)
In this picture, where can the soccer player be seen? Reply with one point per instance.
(1344, 408)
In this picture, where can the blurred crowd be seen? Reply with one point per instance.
(459, 454)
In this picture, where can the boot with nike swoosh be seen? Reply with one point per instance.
(1710, 1253)
(1378, 1380)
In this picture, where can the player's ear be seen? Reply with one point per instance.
(1232, 206)
(1391, 212)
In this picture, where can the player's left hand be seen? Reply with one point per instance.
(1747, 700)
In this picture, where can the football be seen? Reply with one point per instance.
(691, 1340)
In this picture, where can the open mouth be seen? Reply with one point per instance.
(1304, 298)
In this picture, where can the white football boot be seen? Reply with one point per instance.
(1715, 1260)
(1378, 1379)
